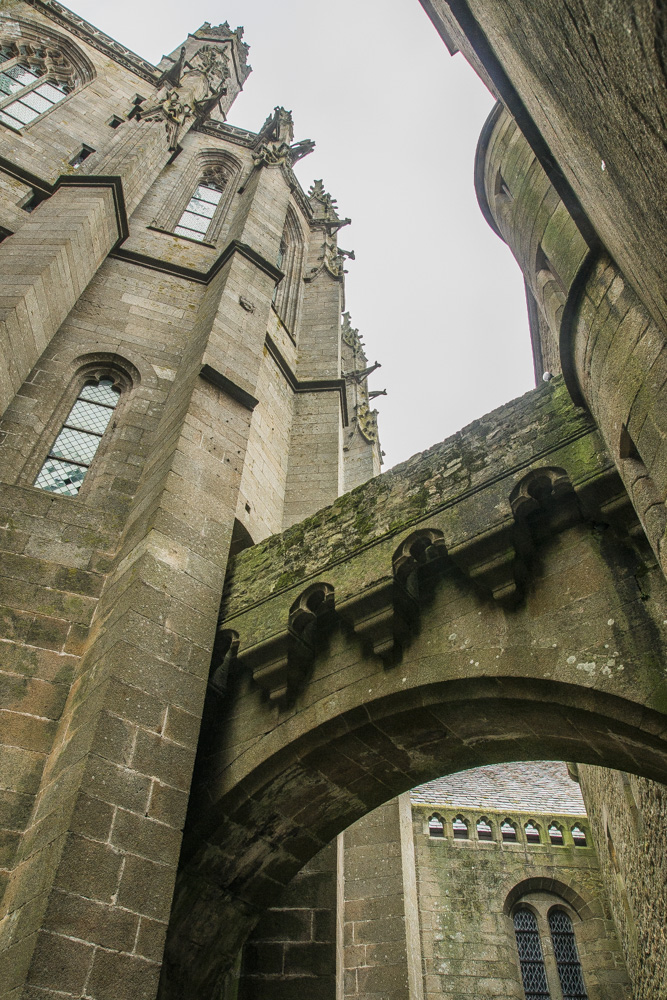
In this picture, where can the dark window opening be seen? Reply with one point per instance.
(115, 122)
(484, 831)
(33, 201)
(578, 836)
(533, 973)
(532, 833)
(436, 827)
(555, 834)
(460, 828)
(82, 155)
(507, 831)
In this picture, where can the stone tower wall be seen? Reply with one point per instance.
(110, 598)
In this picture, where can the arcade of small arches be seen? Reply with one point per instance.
(504, 829)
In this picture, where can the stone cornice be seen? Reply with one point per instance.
(97, 39)
(312, 385)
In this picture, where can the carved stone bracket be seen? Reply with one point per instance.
(381, 616)
(280, 663)
(490, 561)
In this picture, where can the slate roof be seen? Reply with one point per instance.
(534, 786)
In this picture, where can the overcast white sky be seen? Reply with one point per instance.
(435, 294)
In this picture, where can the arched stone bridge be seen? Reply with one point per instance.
(492, 599)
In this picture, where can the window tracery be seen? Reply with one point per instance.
(75, 447)
(436, 826)
(36, 73)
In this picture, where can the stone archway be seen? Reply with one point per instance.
(517, 614)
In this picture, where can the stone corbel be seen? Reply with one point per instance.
(279, 664)
(381, 616)
(490, 561)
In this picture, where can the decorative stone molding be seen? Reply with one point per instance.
(275, 144)
(188, 91)
(49, 53)
(97, 39)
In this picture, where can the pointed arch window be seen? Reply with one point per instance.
(531, 960)
(290, 261)
(195, 222)
(567, 957)
(436, 826)
(30, 85)
(75, 447)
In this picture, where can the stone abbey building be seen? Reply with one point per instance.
(229, 647)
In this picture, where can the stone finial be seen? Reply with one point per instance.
(223, 31)
(323, 205)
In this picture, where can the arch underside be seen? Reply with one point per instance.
(251, 841)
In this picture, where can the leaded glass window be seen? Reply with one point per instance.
(533, 973)
(74, 449)
(567, 958)
(196, 218)
(25, 93)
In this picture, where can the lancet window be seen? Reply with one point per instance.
(531, 959)
(195, 222)
(436, 826)
(33, 79)
(75, 447)
(567, 957)
(290, 261)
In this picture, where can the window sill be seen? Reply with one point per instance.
(177, 236)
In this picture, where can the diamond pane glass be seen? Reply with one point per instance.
(530, 956)
(89, 417)
(101, 392)
(195, 222)
(567, 958)
(208, 194)
(61, 477)
(51, 92)
(9, 121)
(76, 446)
(23, 76)
(204, 208)
(36, 102)
(8, 85)
(21, 112)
